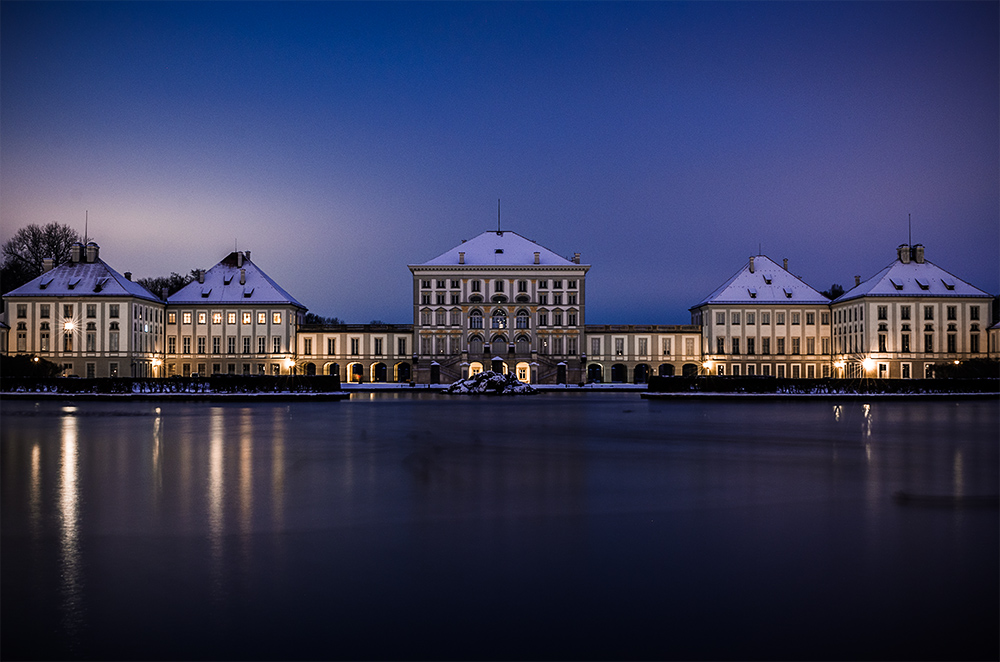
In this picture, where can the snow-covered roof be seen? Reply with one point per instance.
(79, 279)
(763, 281)
(222, 285)
(912, 279)
(493, 248)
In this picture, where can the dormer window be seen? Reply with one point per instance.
(788, 292)
(73, 283)
(924, 285)
(898, 286)
(949, 284)
(226, 280)
(205, 291)
(45, 282)
(247, 292)
(752, 291)
(767, 279)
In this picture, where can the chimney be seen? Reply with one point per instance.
(576, 258)
(537, 257)
(128, 275)
(164, 293)
(48, 264)
(918, 253)
(857, 281)
(751, 264)
(243, 276)
(92, 250)
(461, 257)
(903, 252)
(74, 252)
(786, 264)
(239, 259)
(201, 275)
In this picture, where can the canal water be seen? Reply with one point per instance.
(556, 526)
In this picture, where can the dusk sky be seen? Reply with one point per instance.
(664, 142)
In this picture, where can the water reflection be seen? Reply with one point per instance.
(69, 538)
(278, 467)
(216, 493)
(35, 492)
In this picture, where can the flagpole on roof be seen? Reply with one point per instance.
(498, 215)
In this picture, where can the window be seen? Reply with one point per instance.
(186, 318)
(455, 318)
(307, 346)
(201, 344)
(216, 344)
(439, 318)
(796, 345)
(643, 346)
(595, 346)
(261, 345)
(543, 284)
(735, 318)
(572, 299)
(543, 319)
(736, 345)
(454, 299)
(543, 299)
(904, 312)
(952, 312)
(881, 343)
(276, 318)
(231, 344)
(824, 318)
(795, 319)
(186, 344)
(231, 318)
(172, 345)
(720, 345)
(522, 286)
(928, 312)
(572, 319)
(810, 319)
(454, 284)
(45, 337)
(904, 344)
(498, 286)
(522, 320)
(974, 343)
(276, 344)
(439, 299)
(331, 346)
(425, 283)
(883, 312)
(425, 317)
(440, 284)
(751, 319)
(751, 349)
(475, 285)
(355, 346)
(216, 318)
(619, 342)
(765, 345)
(765, 318)
(22, 311)
(781, 346)
(557, 319)
(401, 346)
(950, 340)
(810, 346)
(779, 318)
(246, 344)
(475, 320)
(905, 370)
(247, 318)
(973, 313)
(378, 341)
(720, 318)
(929, 343)
(261, 318)
(557, 299)
(667, 346)
(44, 309)
(202, 317)
(499, 319)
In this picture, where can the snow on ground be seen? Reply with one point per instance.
(491, 383)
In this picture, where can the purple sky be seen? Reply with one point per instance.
(340, 142)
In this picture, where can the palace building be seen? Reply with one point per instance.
(502, 302)
(908, 317)
(88, 318)
(231, 319)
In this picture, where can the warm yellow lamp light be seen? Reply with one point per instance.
(69, 326)
(868, 364)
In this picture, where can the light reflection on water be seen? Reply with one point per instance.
(214, 520)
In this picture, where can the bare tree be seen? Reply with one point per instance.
(173, 282)
(23, 253)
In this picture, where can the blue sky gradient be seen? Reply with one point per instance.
(340, 142)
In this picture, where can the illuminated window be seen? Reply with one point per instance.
(202, 317)
(276, 318)
(216, 318)
(171, 318)
(247, 318)
(261, 318)
(231, 318)
(186, 318)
